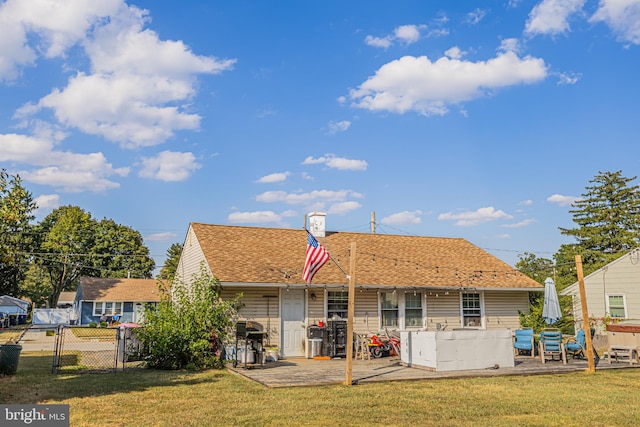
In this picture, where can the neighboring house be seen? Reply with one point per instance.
(12, 305)
(401, 282)
(612, 292)
(127, 297)
(66, 299)
(16, 308)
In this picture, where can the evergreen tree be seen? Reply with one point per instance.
(168, 270)
(607, 218)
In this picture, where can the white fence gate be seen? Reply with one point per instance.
(52, 316)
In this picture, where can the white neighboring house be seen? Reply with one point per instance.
(613, 292)
(16, 308)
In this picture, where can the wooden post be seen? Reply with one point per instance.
(585, 315)
(350, 314)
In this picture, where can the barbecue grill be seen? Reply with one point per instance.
(250, 335)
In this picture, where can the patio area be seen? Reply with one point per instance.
(302, 372)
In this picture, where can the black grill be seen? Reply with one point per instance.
(251, 335)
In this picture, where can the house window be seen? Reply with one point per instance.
(337, 304)
(413, 310)
(389, 309)
(471, 311)
(616, 306)
(106, 307)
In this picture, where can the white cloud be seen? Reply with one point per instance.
(527, 202)
(53, 26)
(259, 217)
(382, 42)
(429, 88)
(341, 163)
(403, 218)
(137, 85)
(562, 200)
(407, 34)
(161, 237)
(169, 166)
(274, 177)
(622, 16)
(336, 127)
(509, 45)
(475, 16)
(63, 170)
(343, 208)
(520, 224)
(454, 53)
(470, 218)
(552, 16)
(316, 196)
(565, 79)
(47, 201)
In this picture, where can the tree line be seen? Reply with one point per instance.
(40, 260)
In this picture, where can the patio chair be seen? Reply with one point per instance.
(524, 341)
(576, 347)
(550, 344)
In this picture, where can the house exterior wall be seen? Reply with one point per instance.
(86, 312)
(259, 308)
(444, 309)
(621, 277)
(190, 258)
(501, 308)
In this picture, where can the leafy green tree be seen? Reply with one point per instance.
(119, 251)
(168, 270)
(64, 240)
(73, 244)
(187, 327)
(16, 207)
(607, 218)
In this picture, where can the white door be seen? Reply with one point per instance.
(293, 332)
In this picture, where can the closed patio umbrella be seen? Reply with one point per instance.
(551, 309)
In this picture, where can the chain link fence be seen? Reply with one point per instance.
(86, 349)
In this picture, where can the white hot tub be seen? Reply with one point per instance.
(457, 350)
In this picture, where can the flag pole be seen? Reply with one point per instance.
(351, 313)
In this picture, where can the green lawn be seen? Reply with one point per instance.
(214, 398)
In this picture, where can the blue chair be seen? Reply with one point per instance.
(550, 344)
(524, 341)
(577, 346)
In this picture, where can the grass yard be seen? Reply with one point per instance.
(220, 398)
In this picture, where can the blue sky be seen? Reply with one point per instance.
(480, 120)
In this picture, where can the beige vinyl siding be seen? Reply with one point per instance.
(501, 309)
(190, 258)
(316, 307)
(620, 277)
(366, 320)
(254, 308)
(443, 309)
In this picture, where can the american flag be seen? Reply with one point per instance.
(317, 256)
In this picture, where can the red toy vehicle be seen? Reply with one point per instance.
(383, 347)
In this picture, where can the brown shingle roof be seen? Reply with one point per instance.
(100, 289)
(276, 255)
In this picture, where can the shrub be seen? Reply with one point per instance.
(93, 325)
(188, 325)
